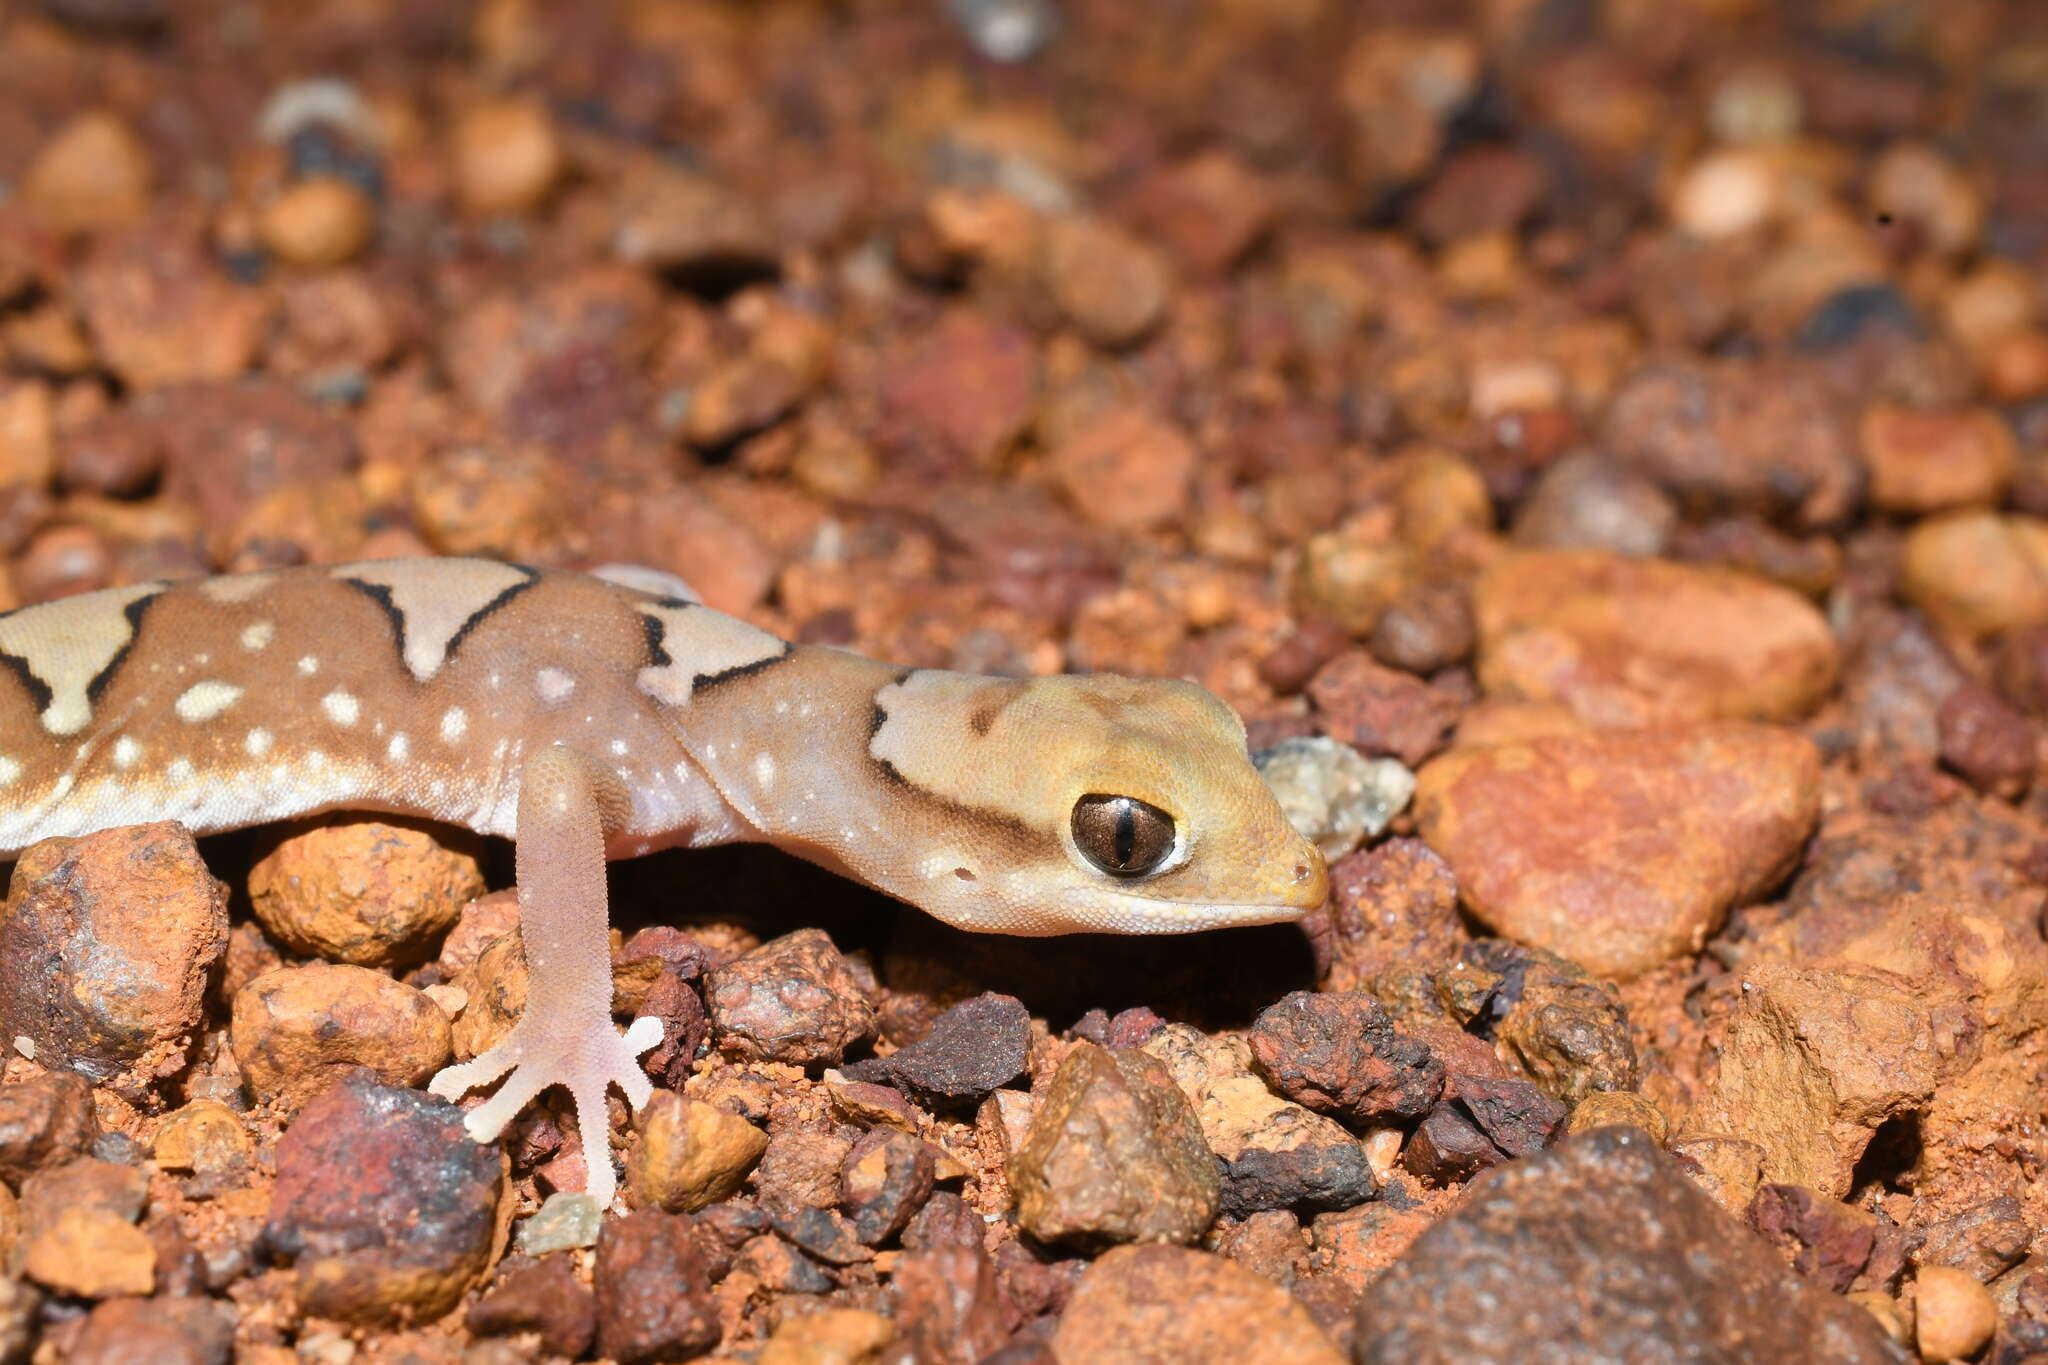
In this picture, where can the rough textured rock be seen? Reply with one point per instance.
(1155, 1305)
(1394, 904)
(1340, 1054)
(793, 999)
(884, 1182)
(19, 1305)
(690, 1154)
(1114, 1155)
(976, 1046)
(1381, 711)
(1620, 850)
(1632, 641)
(175, 1331)
(105, 946)
(295, 1028)
(1335, 796)
(544, 1297)
(44, 1121)
(1977, 572)
(1815, 1060)
(653, 1299)
(387, 1210)
(950, 1308)
(367, 891)
(1503, 1277)
(1930, 461)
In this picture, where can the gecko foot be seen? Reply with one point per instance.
(587, 1059)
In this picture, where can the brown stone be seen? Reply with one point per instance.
(92, 173)
(1381, 711)
(1502, 1277)
(319, 222)
(830, 1336)
(1209, 210)
(1110, 285)
(1114, 1154)
(1153, 1304)
(1954, 1315)
(1924, 462)
(28, 454)
(160, 312)
(105, 945)
(295, 1028)
(1620, 850)
(1340, 1054)
(1127, 469)
(1393, 904)
(507, 156)
(386, 1208)
(44, 1121)
(91, 1253)
(690, 1154)
(653, 1299)
(1625, 641)
(176, 1331)
(373, 892)
(545, 1297)
(793, 999)
(964, 393)
(1977, 573)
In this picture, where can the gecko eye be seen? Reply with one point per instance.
(1122, 835)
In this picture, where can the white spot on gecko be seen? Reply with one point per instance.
(126, 751)
(257, 635)
(257, 742)
(399, 747)
(308, 665)
(179, 770)
(454, 724)
(554, 684)
(341, 707)
(764, 769)
(9, 770)
(205, 700)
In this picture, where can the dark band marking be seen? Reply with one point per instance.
(703, 682)
(101, 680)
(476, 617)
(656, 634)
(37, 689)
(380, 593)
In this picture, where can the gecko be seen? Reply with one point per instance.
(598, 716)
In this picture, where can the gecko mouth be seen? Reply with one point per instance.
(1128, 913)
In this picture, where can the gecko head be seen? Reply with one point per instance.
(1089, 803)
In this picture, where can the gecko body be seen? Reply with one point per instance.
(587, 719)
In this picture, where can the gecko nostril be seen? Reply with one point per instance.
(963, 874)
(1301, 872)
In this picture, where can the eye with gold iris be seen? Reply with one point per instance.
(1122, 835)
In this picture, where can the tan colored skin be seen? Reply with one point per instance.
(588, 719)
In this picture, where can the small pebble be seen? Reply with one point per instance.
(93, 173)
(793, 999)
(318, 222)
(975, 1047)
(653, 1296)
(690, 1155)
(1954, 1315)
(44, 1121)
(546, 1298)
(507, 156)
(1338, 1053)
(1335, 796)
(295, 1029)
(564, 1222)
(368, 891)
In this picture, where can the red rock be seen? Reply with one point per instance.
(160, 312)
(963, 394)
(188, 1331)
(228, 446)
(793, 999)
(1989, 742)
(1624, 849)
(1209, 210)
(1127, 469)
(1379, 710)
(653, 1298)
(545, 1297)
(93, 173)
(1626, 641)
(1395, 904)
(1933, 461)
(1160, 1303)
(1114, 1154)
(1977, 573)
(884, 1181)
(1340, 1054)
(296, 1028)
(387, 1210)
(506, 154)
(109, 941)
(1110, 285)
(949, 1307)
(44, 1121)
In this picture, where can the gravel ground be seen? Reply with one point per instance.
(1600, 448)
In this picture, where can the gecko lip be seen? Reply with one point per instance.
(1189, 917)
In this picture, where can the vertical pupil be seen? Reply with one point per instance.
(1126, 833)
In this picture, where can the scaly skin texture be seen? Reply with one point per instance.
(590, 719)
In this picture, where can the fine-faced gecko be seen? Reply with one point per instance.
(588, 719)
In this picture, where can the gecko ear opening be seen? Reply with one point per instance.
(1122, 835)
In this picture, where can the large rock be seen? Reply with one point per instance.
(1114, 1155)
(105, 946)
(388, 1210)
(1158, 1304)
(1596, 1251)
(1634, 641)
(1621, 849)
